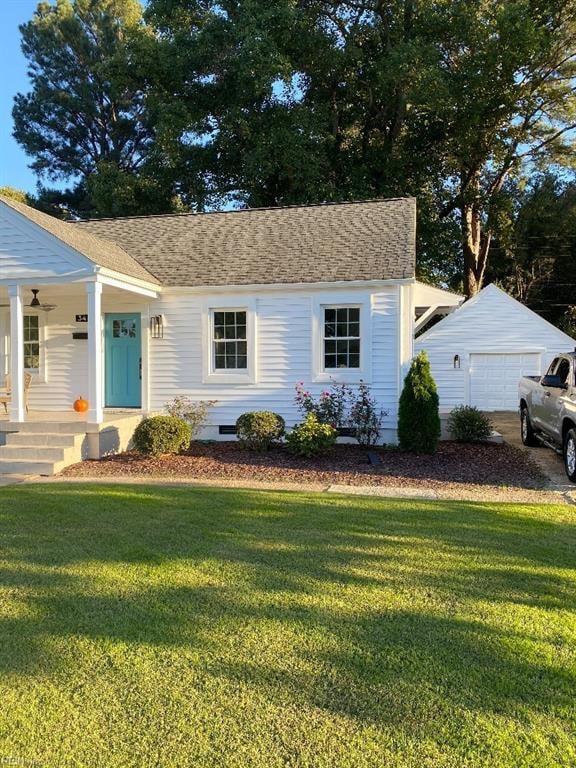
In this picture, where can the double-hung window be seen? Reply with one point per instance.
(229, 334)
(229, 340)
(31, 343)
(341, 337)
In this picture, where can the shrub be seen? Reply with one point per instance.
(469, 425)
(194, 412)
(329, 408)
(259, 430)
(365, 417)
(418, 417)
(311, 437)
(162, 434)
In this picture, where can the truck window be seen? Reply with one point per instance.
(563, 370)
(552, 367)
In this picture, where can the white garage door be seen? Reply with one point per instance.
(494, 379)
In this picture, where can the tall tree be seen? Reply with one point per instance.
(504, 92)
(84, 120)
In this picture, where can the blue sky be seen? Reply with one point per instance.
(14, 171)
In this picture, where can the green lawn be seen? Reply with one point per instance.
(147, 626)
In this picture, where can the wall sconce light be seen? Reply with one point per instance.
(157, 327)
(456, 361)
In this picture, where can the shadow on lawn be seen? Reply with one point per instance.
(278, 564)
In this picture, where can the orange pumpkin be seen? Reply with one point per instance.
(80, 405)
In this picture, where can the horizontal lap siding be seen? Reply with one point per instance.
(492, 323)
(22, 256)
(284, 353)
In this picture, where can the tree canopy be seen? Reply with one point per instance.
(205, 103)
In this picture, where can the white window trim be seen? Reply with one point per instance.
(229, 304)
(40, 373)
(342, 375)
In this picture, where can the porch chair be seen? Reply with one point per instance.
(6, 392)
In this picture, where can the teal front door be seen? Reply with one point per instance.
(123, 360)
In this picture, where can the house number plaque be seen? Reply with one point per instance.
(81, 318)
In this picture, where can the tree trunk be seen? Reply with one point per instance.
(475, 244)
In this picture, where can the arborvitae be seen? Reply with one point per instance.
(418, 416)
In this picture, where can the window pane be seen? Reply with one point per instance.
(240, 331)
(230, 331)
(342, 329)
(229, 318)
(242, 361)
(354, 315)
(330, 361)
(353, 361)
(330, 315)
(354, 346)
(354, 329)
(342, 361)
(342, 347)
(231, 352)
(330, 329)
(218, 318)
(241, 348)
(219, 348)
(220, 361)
(330, 346)
(218, 331)
(342, 315)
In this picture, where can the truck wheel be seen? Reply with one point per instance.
(570, 454)
(528, 434)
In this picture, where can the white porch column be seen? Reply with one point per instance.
(17, 409)
(95, 368)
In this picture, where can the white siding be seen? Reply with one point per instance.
(491, 322)
(27, 251)
(284, 353)
(283, 347)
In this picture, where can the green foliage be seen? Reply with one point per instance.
(158, 435)
(365, 416)
(85, 119)
(469, 425)
(311, 437)
(16, 194)
(193, 412)
(418, 416)
(259, 430)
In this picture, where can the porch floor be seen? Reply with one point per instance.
(111, 415)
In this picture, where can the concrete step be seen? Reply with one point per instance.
(46, 427)
(39, 453)
(12, 467)
(52, 439)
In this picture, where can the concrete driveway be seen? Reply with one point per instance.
(549, 462)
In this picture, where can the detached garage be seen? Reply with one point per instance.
(479, 352)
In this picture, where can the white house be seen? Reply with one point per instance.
(479, 352)
(235, 307)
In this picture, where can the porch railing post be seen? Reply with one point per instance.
(95, 367)
(17, 409)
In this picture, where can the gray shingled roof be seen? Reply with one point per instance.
(373, 240)
(95, 247)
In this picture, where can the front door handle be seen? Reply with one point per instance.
(140, 368)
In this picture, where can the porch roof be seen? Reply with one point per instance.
(97, 249)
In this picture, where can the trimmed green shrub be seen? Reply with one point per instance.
(158, 435)
(418, 416)
(259, 430)
(311, 437)
(469, 425)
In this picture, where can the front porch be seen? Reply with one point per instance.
(48, 441)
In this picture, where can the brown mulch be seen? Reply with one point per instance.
(454, 464)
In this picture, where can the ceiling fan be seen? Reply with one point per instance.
(35, 302)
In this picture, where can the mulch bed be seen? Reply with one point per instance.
(454, 463)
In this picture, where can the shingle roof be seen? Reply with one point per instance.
(373, 240)
(98, 249)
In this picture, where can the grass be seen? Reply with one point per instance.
(149, 626)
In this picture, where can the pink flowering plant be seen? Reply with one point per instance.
(329, 408)
(344, 406)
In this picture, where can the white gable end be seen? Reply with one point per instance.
(479, 352)
(27, 251)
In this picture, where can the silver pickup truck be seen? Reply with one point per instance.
(548, 409)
